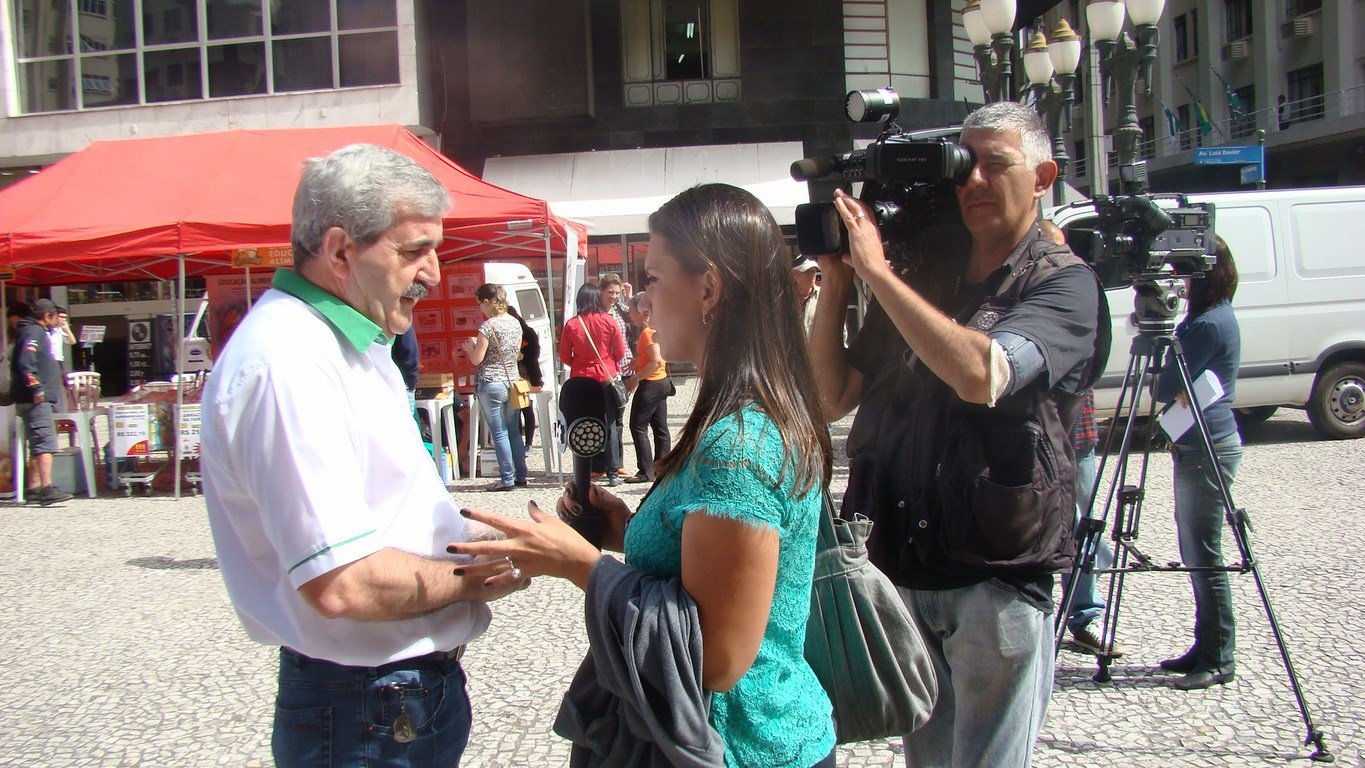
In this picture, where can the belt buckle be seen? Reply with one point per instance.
(458, 653)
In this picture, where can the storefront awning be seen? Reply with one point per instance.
(614, 192)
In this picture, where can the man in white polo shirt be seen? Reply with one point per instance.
(329, 519)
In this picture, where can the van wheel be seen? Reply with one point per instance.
(1337, 408)
(1250, 417)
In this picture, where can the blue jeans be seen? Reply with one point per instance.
(1087, 606)
(1199, 516)
(992, 653)
(329, 715)
(504, 424)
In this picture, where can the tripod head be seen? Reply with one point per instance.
(1156, 303)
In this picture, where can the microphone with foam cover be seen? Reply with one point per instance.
(810, 168)
(582, 408)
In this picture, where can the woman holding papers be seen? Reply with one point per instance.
(1212, 342)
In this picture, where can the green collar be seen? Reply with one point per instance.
(357, 329)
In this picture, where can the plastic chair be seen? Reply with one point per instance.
(83, 388)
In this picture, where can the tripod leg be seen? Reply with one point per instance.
(1238, 522)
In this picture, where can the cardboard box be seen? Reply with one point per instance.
(435, 380)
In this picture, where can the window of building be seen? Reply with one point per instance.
(1194, 31)
(1147, 142)
(1243, 109)
(196, 49)
(1304, 91)
(680, 51)
(1179, 26)
(1182, 116)
(1237, 14)
(1294, 8)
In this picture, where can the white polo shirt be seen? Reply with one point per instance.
(312, 460)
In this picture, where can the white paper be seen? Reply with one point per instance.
(1179, 417)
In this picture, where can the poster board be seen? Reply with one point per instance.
(446, 317)
(139, 429)
(191, 417)
(227, 295)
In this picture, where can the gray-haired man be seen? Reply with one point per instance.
(328, 516)
(959, 450)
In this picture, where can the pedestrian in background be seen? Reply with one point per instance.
(1212, 341)
(805, 275)
(494, 349)
(590, 345)
(328, 516)
(615, 292)
(649, 407)
(37, 388)
(528, 363)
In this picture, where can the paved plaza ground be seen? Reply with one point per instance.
(118, 646)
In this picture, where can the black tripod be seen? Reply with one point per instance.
(1155, 311)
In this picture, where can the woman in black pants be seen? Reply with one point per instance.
(649, 408)
(528, 363)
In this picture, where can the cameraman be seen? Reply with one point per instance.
(959, 451)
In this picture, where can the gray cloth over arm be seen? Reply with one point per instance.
(637, 700)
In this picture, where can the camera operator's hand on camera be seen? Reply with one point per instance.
(866, 255)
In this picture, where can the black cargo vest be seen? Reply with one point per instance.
(924, 463)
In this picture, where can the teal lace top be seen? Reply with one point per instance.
(777, 714)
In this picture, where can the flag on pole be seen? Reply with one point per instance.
(1172, 122)
(1235, 107)
(1200, 113)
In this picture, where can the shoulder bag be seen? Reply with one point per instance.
(618, 387)
(861, 641)
(519, 391)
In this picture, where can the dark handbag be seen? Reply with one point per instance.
(618, 391)
(619, 395)
(861, 641)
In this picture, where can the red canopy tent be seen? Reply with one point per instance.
(175, 206)
(128, 209)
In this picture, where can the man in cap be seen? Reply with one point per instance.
(37, 387)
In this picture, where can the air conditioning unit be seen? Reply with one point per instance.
(1237, 49)
(1301, 26)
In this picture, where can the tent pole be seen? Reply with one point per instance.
(179, 371)
(554, 348)
(4, 330)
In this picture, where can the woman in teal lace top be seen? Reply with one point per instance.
(736, 505)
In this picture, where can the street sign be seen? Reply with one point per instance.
(1252, 174)
(1229, 155)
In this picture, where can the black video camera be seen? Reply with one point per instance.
(1135, 240)
(908, 183)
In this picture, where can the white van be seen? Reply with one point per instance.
(1300, 303)
(523, 293)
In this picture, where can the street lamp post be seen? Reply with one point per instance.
(1122, 61)
(990, 27)
(1044, 62)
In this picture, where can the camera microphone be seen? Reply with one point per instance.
(811, 168)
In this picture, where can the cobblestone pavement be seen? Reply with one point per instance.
(118, 646)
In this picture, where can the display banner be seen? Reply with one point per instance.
(448, 316)
(139, 428)
(228, 303)
(191, 416)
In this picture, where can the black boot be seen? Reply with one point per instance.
(1183, 664)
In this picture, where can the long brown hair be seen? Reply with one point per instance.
(756, 352)
(1218, 284)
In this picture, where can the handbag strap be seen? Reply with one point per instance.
(593, 344)
(501, 360)
(825, 537)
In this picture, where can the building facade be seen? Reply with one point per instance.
(1228, 69)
